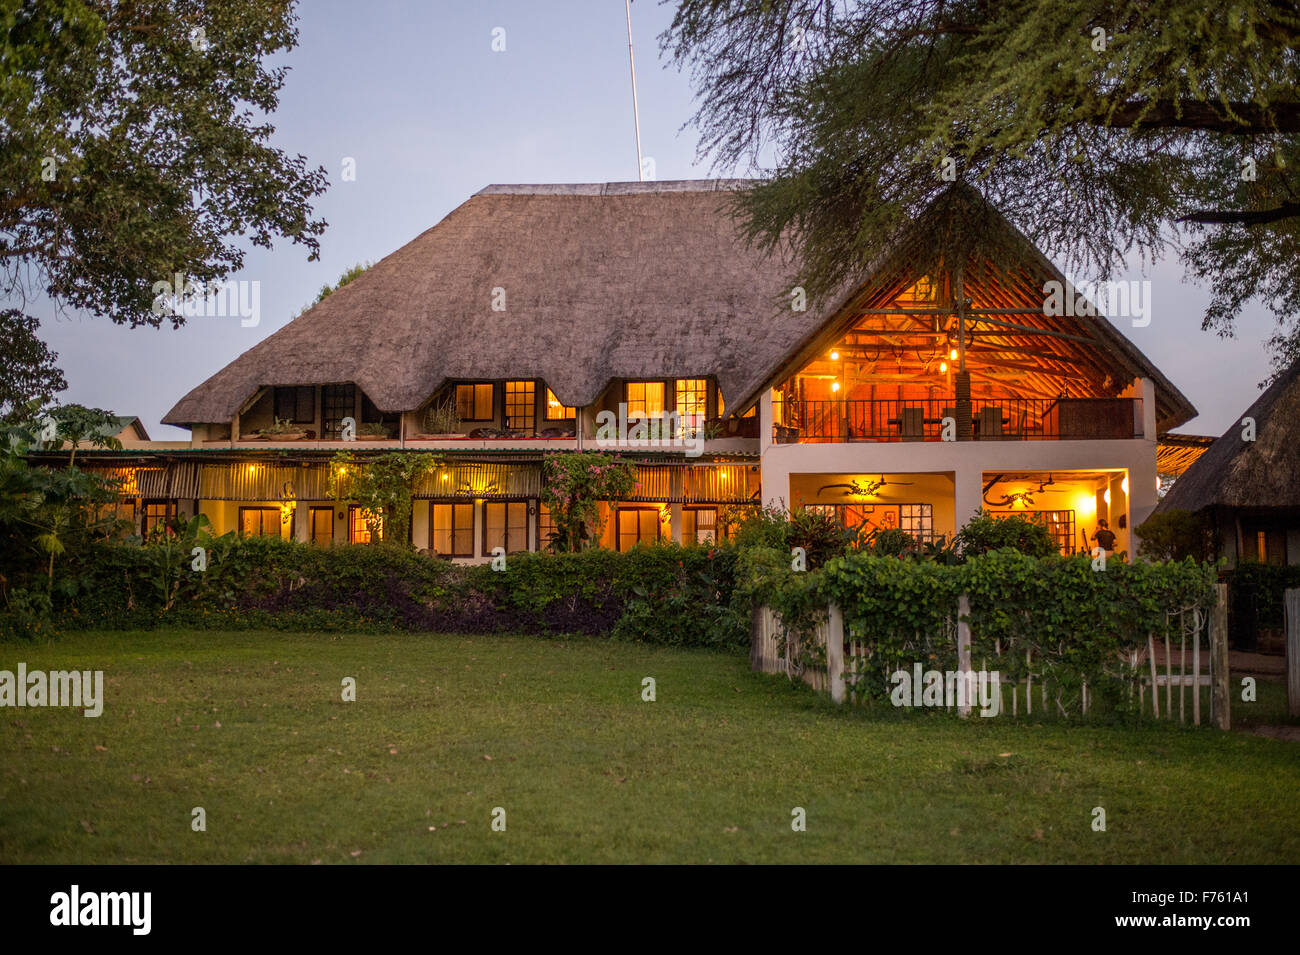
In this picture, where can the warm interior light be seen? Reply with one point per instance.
(952, 355)
(252, 469)
(1157, 485)
(835, 386)
(445, 476)
(1124, 485)
(1085, 505)
(1106, 496)
(943, 367)
(723, 475)
(835, 356)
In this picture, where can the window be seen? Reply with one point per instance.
(451, 530)
(917, 520)
(699, 525)
(722, 408)
(370, 413)
(505, 524)
(556, 411)
(154, 515)
(645, 397)
(322, 526)
(637, 525)
(259, 521)
(337, 402)
(364, 525)
(545, 528)
(521, 405)
(474, 402)
(692, 404)
(296, 404)
(1059, 523)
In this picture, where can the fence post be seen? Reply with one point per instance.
(1291, 601)
(963, 655)
(1220, 692)
(835, 653)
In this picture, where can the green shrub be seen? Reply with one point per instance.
(1176, 535)
(985, 533)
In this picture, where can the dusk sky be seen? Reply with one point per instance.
(416, 95)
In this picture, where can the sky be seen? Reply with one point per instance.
(416, 96)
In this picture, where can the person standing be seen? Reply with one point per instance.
(1104, 537)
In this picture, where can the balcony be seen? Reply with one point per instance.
(992, 419)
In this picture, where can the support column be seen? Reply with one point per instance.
(968, 494)
(675, 522)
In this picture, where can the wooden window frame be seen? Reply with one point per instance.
(453, 504)
(695, 510)
(508, 419)
(168, 507)
(475, 385)
(662, 383)
(618, 530)
(311, 525)
(263, 509)
(566, 413)
(295, 400)
(506, 502)
(353, 510)
(329, 433)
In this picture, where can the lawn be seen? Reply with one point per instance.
(251, 727)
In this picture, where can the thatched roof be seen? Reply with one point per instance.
(1177, 452)
(1260, 473)
(621, 280)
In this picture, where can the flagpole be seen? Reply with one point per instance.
(636, 116)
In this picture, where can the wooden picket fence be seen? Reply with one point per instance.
(839, 661)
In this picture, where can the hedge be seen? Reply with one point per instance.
(665, 594)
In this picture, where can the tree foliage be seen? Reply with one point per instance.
(136, 147)
(1094, 125)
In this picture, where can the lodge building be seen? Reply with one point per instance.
(501, 334)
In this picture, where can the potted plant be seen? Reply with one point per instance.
(282, 430)
(372, 431)
(442, 420)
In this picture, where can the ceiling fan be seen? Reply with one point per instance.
(867, 488)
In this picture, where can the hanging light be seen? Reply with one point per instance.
(835, 386)
(835, 356)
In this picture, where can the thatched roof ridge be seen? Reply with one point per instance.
(1260, 473)
(602, 281)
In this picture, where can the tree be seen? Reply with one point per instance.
(1099, 127)
(136, 149)
(27, 369)
(344, 279)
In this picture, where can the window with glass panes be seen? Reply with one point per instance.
(692, 403)
(451, 529)
(699, 524)
(360, 520)
(153, 515)
(555, 411)
(521, 405)
(259, 521)
(296, 404)
(645, 397)
(474, 401)
(505, 524)
(336, 403)
(637, 525)
(322, 526)
(545, 527)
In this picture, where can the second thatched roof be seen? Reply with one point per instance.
(1236, 472)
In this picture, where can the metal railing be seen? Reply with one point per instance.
(923, 419)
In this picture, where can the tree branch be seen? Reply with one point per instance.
(1247, 217)
(1246, 118)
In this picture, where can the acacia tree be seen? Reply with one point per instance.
(134, 146)
(1099, 127)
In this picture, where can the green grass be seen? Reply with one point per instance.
(251, 727)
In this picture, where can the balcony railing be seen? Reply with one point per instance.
(992, 419)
